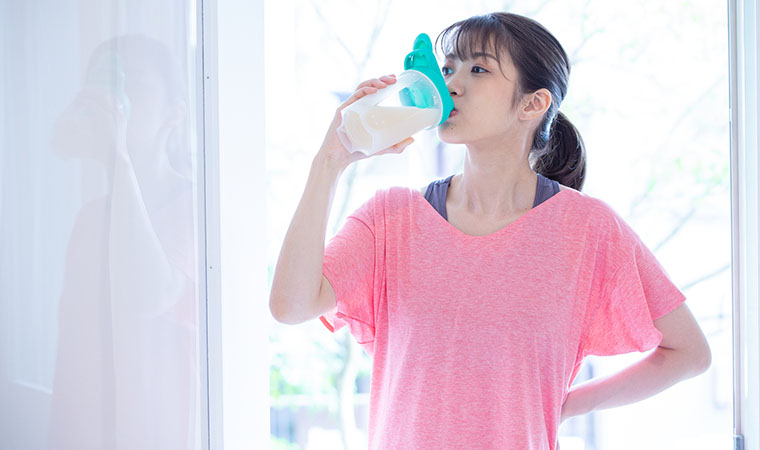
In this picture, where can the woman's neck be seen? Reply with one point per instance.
(495, 186)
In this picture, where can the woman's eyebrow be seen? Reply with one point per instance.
(484, 55)
(477, 55)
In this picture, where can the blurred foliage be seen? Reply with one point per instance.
(282, 444)
(301, 365)
(308, 366)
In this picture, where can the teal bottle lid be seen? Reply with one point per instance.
(423, 60)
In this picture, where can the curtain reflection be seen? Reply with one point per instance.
(126, 374)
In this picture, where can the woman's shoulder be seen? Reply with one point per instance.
(400, 189)
(394, 195)
(397, 192)
(594, 208)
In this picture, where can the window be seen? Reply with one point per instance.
(648, 92)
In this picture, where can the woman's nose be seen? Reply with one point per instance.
(453, 87)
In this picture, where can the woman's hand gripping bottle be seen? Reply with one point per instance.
(419, 99)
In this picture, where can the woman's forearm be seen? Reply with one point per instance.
(656, 372)
(298, 274)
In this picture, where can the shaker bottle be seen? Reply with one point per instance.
(419, 99)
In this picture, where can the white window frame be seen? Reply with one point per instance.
(744, 43)
(236, 331)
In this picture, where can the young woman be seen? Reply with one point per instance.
(479, 296)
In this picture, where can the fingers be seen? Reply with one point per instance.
(404, 143)
(378, 82)
(368, 87)
(359, 93)
(398, 147)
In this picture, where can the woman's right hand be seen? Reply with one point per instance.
(333, 149)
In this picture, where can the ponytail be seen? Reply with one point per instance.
(563, 158)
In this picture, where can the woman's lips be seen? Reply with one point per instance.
(453, 113)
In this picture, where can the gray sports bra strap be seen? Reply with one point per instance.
(436, 195)
(437, 190)
(544, 189)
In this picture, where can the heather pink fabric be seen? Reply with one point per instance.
(476, 339)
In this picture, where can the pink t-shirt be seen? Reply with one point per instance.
(475, 340)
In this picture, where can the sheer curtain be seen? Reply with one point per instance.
(99, 336)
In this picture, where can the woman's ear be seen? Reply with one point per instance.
(536, 104)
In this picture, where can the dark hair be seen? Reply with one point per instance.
(557, 151)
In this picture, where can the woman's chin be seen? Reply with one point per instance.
(446, 136)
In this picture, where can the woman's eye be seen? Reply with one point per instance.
(476, 69)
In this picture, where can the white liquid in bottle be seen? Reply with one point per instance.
(372, 128)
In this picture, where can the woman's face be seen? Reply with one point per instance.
(482, 91)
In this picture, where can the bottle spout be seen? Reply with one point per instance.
(422, 59)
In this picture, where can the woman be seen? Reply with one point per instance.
(479, 296)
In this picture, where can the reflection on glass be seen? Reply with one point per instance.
(126, 366)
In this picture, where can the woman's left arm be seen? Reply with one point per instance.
(683, 353)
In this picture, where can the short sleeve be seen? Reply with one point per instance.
(635, 290)
(350, 265)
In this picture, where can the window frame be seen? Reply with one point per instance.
(744, 43)
(236, 332)
(239, 414)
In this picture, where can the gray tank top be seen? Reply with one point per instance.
(437, 190)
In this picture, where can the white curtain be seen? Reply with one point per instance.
(99, 337)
